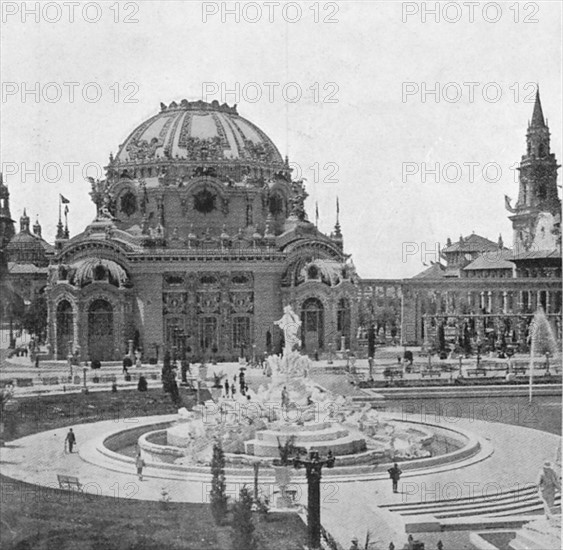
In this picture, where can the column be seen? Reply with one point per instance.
(426, 341)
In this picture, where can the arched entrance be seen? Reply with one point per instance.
(100, 331)
(312, 325)
(65, 329)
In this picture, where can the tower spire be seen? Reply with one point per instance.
(537, 182)
(538, 120)
(336, 235)
(24, 222)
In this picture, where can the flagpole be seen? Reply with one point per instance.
(59, 207)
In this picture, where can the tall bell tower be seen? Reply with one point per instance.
(7, 230)
(536, 216)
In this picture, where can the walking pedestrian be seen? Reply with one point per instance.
(395, 474)
(70, 440)
(140, 463)
(127, 363)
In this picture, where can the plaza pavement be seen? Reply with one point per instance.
(348, 508)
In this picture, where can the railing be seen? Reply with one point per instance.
(92, 378)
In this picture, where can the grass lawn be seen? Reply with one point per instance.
(44, 518)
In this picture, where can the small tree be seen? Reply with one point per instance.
(35, 317)
(243, 528)
(218, 485)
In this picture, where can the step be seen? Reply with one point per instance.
(505, 494)
(489, 508)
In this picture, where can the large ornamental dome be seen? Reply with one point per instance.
(200, 133)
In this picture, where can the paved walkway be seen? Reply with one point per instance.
(518, 456)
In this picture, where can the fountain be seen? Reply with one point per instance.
(542, 342)
(291, 413)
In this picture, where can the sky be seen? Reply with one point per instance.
(367, 99)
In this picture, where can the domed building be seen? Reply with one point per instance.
(201, 237)
(28, 256)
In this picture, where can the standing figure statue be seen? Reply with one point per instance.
(290, 324)
(284, 398)
(548, 483)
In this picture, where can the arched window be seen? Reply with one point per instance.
(275, 205)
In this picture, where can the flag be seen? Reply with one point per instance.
(507, 204)
(66, 210)
(64, 200)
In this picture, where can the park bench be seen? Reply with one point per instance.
(476, 372)
(154, 376)
(24, 382)
(51, 381)
(431, 373)
(70, 483)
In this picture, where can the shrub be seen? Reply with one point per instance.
(243, 528)
(142, 384)
(218, 485)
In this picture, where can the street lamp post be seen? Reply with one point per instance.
(12, 344)
(313, 467)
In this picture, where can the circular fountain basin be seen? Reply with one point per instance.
(459, 449)
(156, 449)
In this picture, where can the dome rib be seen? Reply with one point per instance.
(198, 132)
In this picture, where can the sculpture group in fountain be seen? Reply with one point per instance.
(291, 403)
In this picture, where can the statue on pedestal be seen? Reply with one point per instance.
(290, 324)
(548, 484)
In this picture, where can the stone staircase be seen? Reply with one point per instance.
(522, 501)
